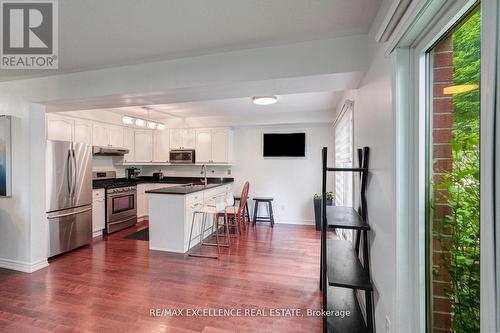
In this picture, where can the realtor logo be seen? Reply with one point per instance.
(29, 37)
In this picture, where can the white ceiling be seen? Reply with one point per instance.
(99, 34)
(307, 102)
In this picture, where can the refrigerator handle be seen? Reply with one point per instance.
(69, 214)
(73, 169)
(69, 173)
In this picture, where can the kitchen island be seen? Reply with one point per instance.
(171, 213)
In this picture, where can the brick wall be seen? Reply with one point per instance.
(442, 120)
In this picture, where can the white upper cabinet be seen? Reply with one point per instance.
(106, 135)
(83, 131)
(220, 146)
(116, 136)
(59, 128)
(100, 135)
(189, 138)
(213, 146)
(175, 138)
(161, 145)
(182, 138)
(203, 146)
(143, 146)
(129, 143)
(68, 129)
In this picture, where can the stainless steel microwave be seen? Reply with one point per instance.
(182, 156)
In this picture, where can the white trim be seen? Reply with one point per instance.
(391, 20)
(164, 249)
(23, 266)
(420, 18)
(410, 282)
(294, 222)
(490, 293)
(348, 104)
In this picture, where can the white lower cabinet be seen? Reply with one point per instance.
(171, 218)
(142, 201)
(98, 212)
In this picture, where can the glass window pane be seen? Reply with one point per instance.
(453, 150)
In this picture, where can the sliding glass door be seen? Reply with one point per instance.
(453, 178)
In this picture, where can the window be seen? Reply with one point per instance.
(343, 189)
(453, 159)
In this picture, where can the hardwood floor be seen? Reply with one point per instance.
(111, 286)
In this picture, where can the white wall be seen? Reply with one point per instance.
(374, 126)
(292, 182)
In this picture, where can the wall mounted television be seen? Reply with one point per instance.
(284, 144)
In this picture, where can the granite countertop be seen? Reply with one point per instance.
(167, 180)
(187, 189)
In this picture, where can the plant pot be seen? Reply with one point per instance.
(317, 211)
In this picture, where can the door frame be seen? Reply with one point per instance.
(410, 121)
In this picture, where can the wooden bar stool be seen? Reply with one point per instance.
(236, 218)
(246, 212)
(270, 217)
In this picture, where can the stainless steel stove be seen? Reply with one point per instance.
(121, 200)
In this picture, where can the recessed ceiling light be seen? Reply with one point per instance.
(127, 120)
(160, 127)
(140, 123)
(264, 100)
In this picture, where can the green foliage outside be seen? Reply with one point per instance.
(462, 182)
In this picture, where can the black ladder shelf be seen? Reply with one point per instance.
(342, 273)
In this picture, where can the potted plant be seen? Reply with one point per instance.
(317, 207)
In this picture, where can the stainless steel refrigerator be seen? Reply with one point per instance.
(69, 195)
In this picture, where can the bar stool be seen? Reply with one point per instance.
(246, 212)
(218, 210)
(270, 217)
(236, 217)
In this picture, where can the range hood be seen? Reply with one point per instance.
(109, 151)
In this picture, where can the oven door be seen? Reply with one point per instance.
(121, 206)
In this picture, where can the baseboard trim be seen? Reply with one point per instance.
(164, 249)
(22, 266)
(296, 222)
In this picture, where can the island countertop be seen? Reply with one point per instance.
(189, 188)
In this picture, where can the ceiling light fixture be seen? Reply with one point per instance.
(143, 122)
(127, 120)
(264, 100)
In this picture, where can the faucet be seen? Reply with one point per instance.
(204, 173)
